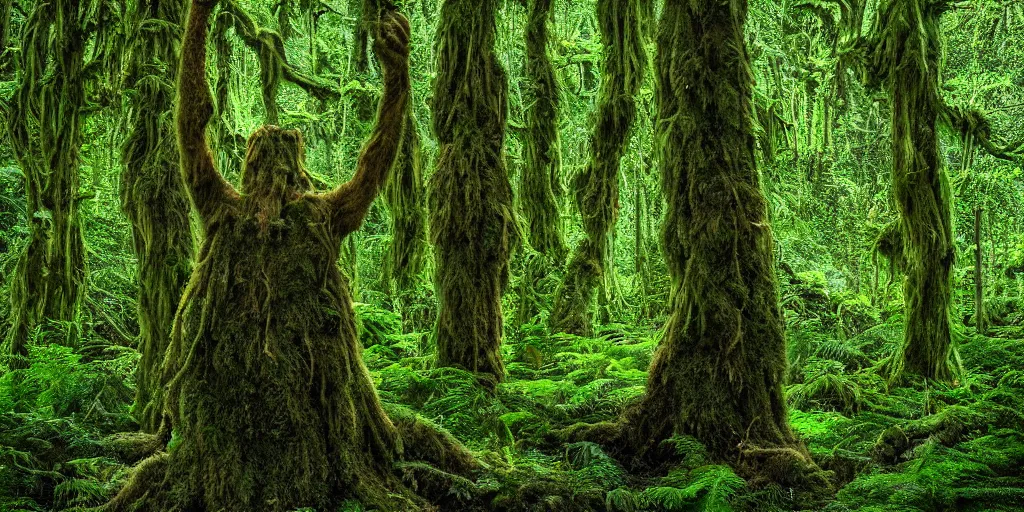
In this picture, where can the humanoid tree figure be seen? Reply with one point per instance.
(271, 404)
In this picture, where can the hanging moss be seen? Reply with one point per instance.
(46, 133)
(284, 18)
(406, 199)
(542, 174)
(274, 66)
(472, 221)
(271, 404)
(229, 145)
(153, 196)
(717, 373)
(905, 55)
(624, 26)
(366, 13)
(5, 33)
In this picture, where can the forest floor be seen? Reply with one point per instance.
(913, 447)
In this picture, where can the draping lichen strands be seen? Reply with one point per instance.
(624, 27)
(405, 195)
(541, 184)
(153, 196)
(472, 220)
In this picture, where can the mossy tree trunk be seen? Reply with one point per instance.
(623, 27)
(406, 199)
(980, 316)
(541, 186)
(46, 133)
(405, 195)
(153, 196)
(717, 374)
(5, 33)
(472, 219)
(906, 56)
(229, 144)
(271, 403)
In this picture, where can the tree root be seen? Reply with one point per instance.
(422, 440)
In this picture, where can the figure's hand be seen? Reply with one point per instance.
(391, 43)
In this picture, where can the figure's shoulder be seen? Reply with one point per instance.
(313, 206)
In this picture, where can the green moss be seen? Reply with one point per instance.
(624, 26)
(472, 221)
(541, 183)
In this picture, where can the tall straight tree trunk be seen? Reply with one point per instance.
(154, 198)
(405, 198)
(541, 180)
(472, 220)
(5, 32)
(46, 132)
(980, 316)
(907, 54)
(623, 26)
(717, 374)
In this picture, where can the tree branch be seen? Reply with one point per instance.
(264, 40)
(972, 123)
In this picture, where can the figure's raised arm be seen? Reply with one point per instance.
(207, 187)
(351, 201)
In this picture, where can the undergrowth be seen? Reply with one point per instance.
(922, 447)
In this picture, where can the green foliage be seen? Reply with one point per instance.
(824, 153)
(703, 489)
(942, 478)
(53, 417)
(826, 386)
(59, 384)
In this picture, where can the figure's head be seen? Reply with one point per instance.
(275, 164)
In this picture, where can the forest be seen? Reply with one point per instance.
(511, 255)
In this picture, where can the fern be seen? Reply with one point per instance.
(625, 500)
(709, 488)
(827, 387)
(81, 491)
